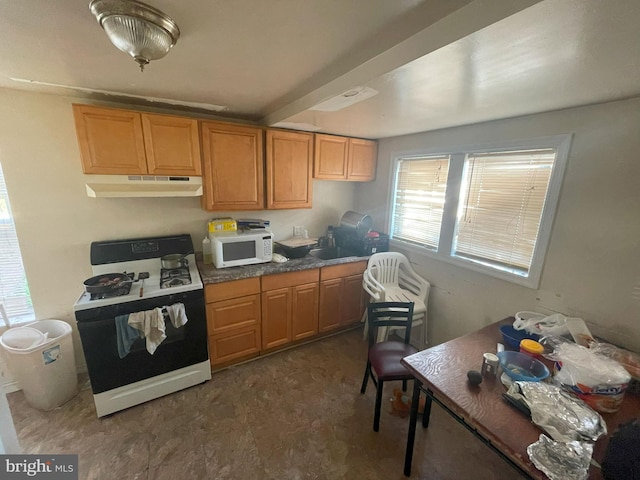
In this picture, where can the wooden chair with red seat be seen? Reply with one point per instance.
(383, 359)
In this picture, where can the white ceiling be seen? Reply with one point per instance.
(435, 63)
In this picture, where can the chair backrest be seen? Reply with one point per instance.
(393, 269)
(389, 314)
(385, 267)
(5, 319)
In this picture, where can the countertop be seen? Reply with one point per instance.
(211, 275)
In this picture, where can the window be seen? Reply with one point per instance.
(489, 208)
(14, 291)
(419, 200)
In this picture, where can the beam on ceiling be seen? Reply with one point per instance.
(426, 30)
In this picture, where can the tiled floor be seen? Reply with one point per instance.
(297, 414)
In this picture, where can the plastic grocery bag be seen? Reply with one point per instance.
(629, 360)
(600, 381)
(541, 324)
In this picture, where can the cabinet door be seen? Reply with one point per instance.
(276, 318)
(329, 312)
(330, 161)
(304, 311)
(352, 301)
(362, 160)
(238, 344)
(172, 145)
(233, 170)
(289, 169)
(228, 315)
(110, 140)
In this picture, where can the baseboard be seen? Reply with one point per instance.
(10, 387)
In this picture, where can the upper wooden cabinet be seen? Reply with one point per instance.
(172, 145)
(124, 142)
(331, 157)
(342, 158)
(111, 141)
(233, 174)
(289, 169)
(363, 155)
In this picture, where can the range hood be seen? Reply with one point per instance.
(143, 186)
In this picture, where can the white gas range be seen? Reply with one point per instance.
(122, 371)
(173, 281)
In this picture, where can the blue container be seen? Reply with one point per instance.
(522, 367)
(513, 337)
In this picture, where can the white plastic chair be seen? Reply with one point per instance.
(6, 323)
(390, 278)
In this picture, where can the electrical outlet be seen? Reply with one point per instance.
(298, 231)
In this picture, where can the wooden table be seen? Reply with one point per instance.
(441, 372)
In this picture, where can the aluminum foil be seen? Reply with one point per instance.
(562, 416)
(561, 461)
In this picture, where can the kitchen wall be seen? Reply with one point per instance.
(56, 221)
(592, 267)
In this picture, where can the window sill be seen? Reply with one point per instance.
(529, 282)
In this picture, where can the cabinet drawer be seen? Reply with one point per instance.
(229, 314)
(290, 279)
(344, 270)
(236, 288)
(240, 343)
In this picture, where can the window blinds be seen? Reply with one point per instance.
(502, 200)
(421, 184)
(14, 291)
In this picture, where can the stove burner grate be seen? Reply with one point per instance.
(174, 277)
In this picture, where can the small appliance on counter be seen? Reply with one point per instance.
(296, 247)
(252, 224)
(355, 236)
(234, 249)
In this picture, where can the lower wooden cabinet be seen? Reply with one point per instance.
(329, 315)
(304, 309)
(240, 344)
(276, 318)
(233, 320)
(342, 299)
(250, 316)
(289, 307)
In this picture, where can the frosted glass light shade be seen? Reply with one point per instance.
(135, 28)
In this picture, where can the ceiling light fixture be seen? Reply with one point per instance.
(345, 99)
(136, 28)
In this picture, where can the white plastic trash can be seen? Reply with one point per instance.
(40, 356)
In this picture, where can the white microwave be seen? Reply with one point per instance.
(232, 249)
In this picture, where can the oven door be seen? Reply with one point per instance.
(183, 346)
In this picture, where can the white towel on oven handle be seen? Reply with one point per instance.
(177, 314)
(151, 324)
